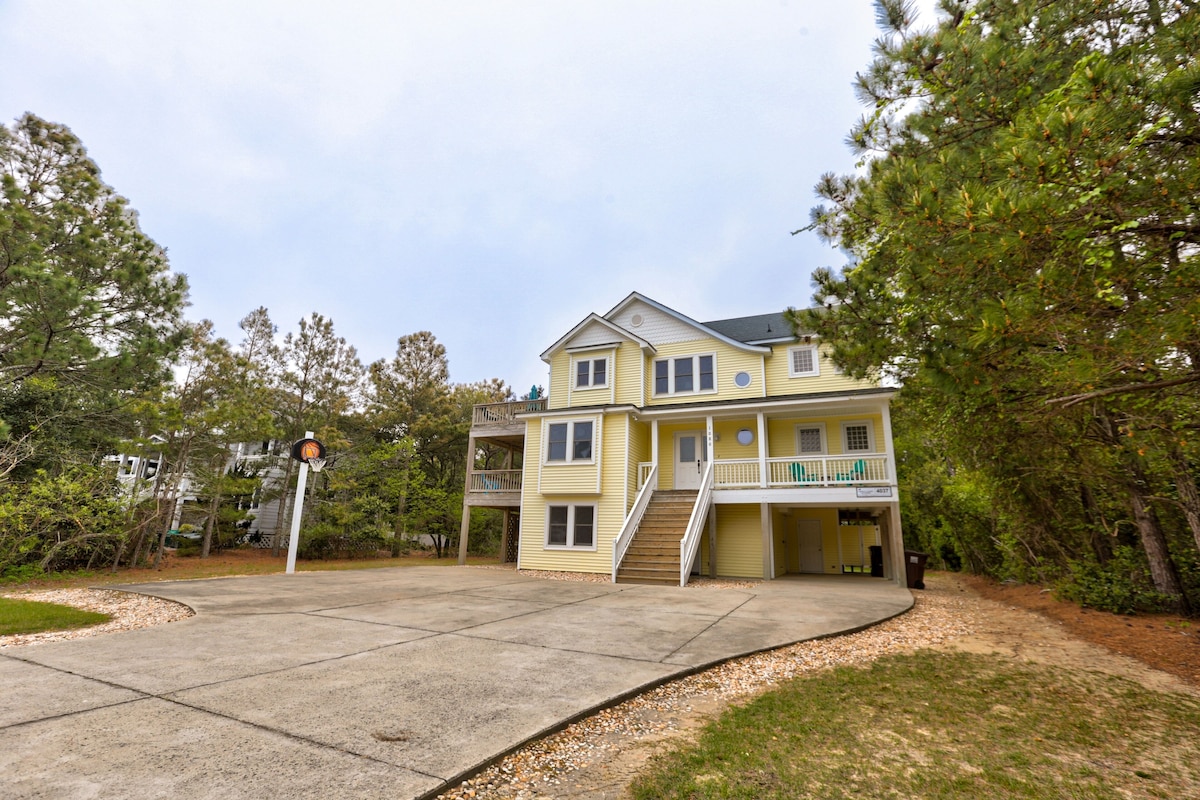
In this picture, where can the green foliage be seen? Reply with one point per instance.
(1026, 260)
(28, 616)
(87, 298)
(325, 541)
(1122, 585)
(60, 521)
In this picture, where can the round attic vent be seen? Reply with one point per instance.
(636, 320)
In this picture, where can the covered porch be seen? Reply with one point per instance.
(759, 469)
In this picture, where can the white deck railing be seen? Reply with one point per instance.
(632, 520)
(790, 472)
(485, 414)
(691, 539)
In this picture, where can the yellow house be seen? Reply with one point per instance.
(668, 447)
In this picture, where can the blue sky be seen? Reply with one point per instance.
(488, 171)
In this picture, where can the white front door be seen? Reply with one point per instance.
(812, 557)
(691, 456)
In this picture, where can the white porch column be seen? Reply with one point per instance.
(890, 447)
(765, 478)
(654, 445)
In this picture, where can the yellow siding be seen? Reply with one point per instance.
(589, 396)
(560, 374)
(729, 362)
(727, 446)
(628, 374)
(639, 451)
(778, 382)
(739, 541)
(781, 433)
(614, 470)
(610, 505)
(534, 553)
(568, 479)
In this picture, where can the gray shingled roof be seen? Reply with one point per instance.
(759, 328)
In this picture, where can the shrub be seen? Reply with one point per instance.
(1122, 585)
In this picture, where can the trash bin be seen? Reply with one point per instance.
(914, 563)
(876, 560)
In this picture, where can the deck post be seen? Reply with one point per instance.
(464, 530)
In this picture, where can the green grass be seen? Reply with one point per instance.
(28, 616)
(942, 725)
(226, 564)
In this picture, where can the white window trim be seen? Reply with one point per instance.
(591, 384)
(670, 360)
(570, 455)
(816, 360)
(570, 545)
(870, 436)
(819, 426)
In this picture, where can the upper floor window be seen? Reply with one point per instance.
(591, 372)
(685, 375)
(569, 441)
(803, 361)
(858, 437)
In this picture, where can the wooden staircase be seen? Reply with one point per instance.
(653, 555)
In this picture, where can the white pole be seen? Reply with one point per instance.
(297, 512)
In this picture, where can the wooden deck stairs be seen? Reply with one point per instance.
(653, 555)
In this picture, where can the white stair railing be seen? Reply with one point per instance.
(691, 538)
(632, 520)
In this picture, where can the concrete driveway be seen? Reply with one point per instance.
(391, 683)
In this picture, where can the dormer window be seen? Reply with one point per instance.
(591, 373)
(685, 375)
(803, 362)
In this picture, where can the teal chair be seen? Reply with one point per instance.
(798, 473)
(857, 472)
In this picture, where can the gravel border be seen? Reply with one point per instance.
(547, 767)
(129, 611)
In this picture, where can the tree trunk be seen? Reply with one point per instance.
(210, 524)
(1162, 568)
(1185, 485)
(1097, 529)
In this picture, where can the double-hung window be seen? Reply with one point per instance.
(591, 373)
(685, 375)
(571, 526)
(803, 362)
(569, 441)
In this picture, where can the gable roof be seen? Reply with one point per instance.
(704, 328)
(620, 333)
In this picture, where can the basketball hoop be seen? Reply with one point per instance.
(317, 464)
